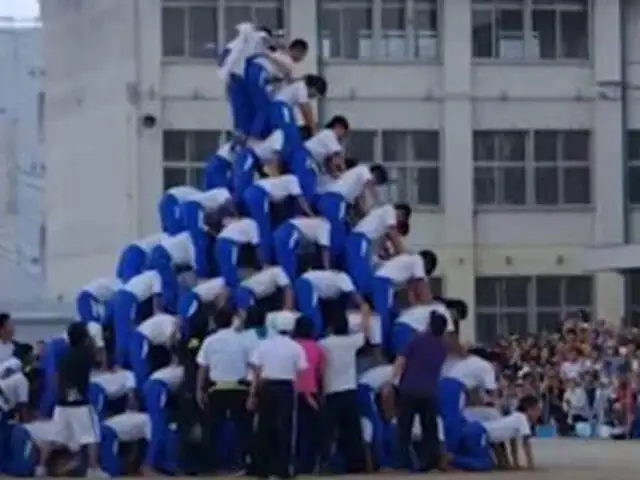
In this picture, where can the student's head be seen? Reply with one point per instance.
(530, 406)
(223, 318)
(403, 216)
(380, 174)
(78, 334)
(437, 324)
(303, 328)
(316, 85)
(298, 49)
(339, 124)
(6, 327)
(429, 261)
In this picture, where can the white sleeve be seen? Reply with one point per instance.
(331, 143)
(9, 366)
(294, 186)
(280, 277)
(257, 356)
(286, 61)
(324, 233)
(488, 377)
(357, 340)
(418, 268)
(344, 283)
(23, 390)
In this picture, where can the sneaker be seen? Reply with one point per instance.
(97, 473)
(40, 471)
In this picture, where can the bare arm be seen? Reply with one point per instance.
(396, 240)
(308, 117)
(398, 367)
(288, 298)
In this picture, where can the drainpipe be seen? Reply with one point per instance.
(320, 61)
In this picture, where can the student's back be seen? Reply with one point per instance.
(74, 373)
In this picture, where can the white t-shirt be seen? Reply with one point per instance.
(102, 289)
(227, 152)
(130, 426)
(225, 354)
(402, 268)
(279, 358)
(510, 427)
(329, 283)
(171, 375)
(377, 222)
(376, 377)
(266, 282)
(281, 320)
(248, 42)
(145, 285)
(182, 193)
(160, 329)
(213, 199)
(208, 290)
(351, 183)
(115, 384)
(280, 188)
(294, 94)
(418, 317)
(269, 147)
(181, 249)
(314, 229)
(323, 144)
(276, 70)
(473, 372)
(242, 231)
(15, 390)
(340, 361)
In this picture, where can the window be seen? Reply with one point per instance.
(633, 155)
(632, 286)
(412, 159)
(531, 29)
(543, 168)
(199, 28)
(185, 154)
(522, 305)
(380, 29)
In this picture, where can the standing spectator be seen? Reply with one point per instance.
(6, 337)
(575, 402)
(418, 369)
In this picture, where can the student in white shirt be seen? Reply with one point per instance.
(275, 364)
(260, 196)
(222, 386)
(152, 343)
(92, 303)
(377, 227)
(237, 234)
(215, 203)
(124, 428)
(351, 187)
(319, 292)
(138, 299)
(402, 271)
(263, 285)
(322, 152)
(293, 234)
(252, 158)
(218, 172)
(14, 393)
(112, 391)
(169, 208)
(135, 257)
(196, 303)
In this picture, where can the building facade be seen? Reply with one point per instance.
(511, 126)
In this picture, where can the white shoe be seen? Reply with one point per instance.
(97, 473)
(40, 471)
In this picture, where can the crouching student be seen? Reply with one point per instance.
(152, 345)
(169, 209)
(123, 443)
(234, 239)
(93, 303)
(134, 258)
(416, 320)
(218, 173)
(260, 156)
(292, 234)
(320, 291)
(197, 305)
(112, 392)
(267, 288)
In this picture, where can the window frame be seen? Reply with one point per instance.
(528, 8)
(411, 34)
(633, 164)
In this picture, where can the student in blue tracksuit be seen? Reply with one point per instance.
(151, 345)
(250, 160)
(218, 172)
(318, 286)
(194, 304)
(169, 208)
(134, 258)
(292, 234)
(238, 234)
(93, 303)
(262, 286)
(266, 73)
(416, 320)
(260, 196)
(379, 225)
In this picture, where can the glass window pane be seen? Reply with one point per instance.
(482, 33)
(203, 24)
(513, 184)
(577, 185)
(425, 28)
(634, 180)
(548, 292)
(545, 146)
(425, 146)
(205, 142)
(331, 40)
(575, 146)
(393, 33)
(574, 35)
(269, 16)
(516, 323)
(548, 322)
(394, 146)
(173, 32)
(487, 292)
(174, 146)
(486, 327)
(196, 177)
(361, 145)
(428, 186)
(578, 291)
(546, 186)
(633, 145)
(174, 176)
(233, 16)
(515, 292)
(399, 185)
(484, 147)
(512, 146)
(544, 34)
(484, 185)
(356, 31)
(510, 34)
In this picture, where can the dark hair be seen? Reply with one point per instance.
(339, 323)
(527, 402)
(299, 44)
(77, 334)
(265, 29)
(404, 208)
(379, 174)
(338, 121)
(437, 324)
(459, 307)
(429, 260)
(351, 162)
(4, 319)
(223, 318)
(23, 352)
(305, 132)
(317, 83)
(303, 328)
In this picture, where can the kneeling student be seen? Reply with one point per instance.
(120, 445)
